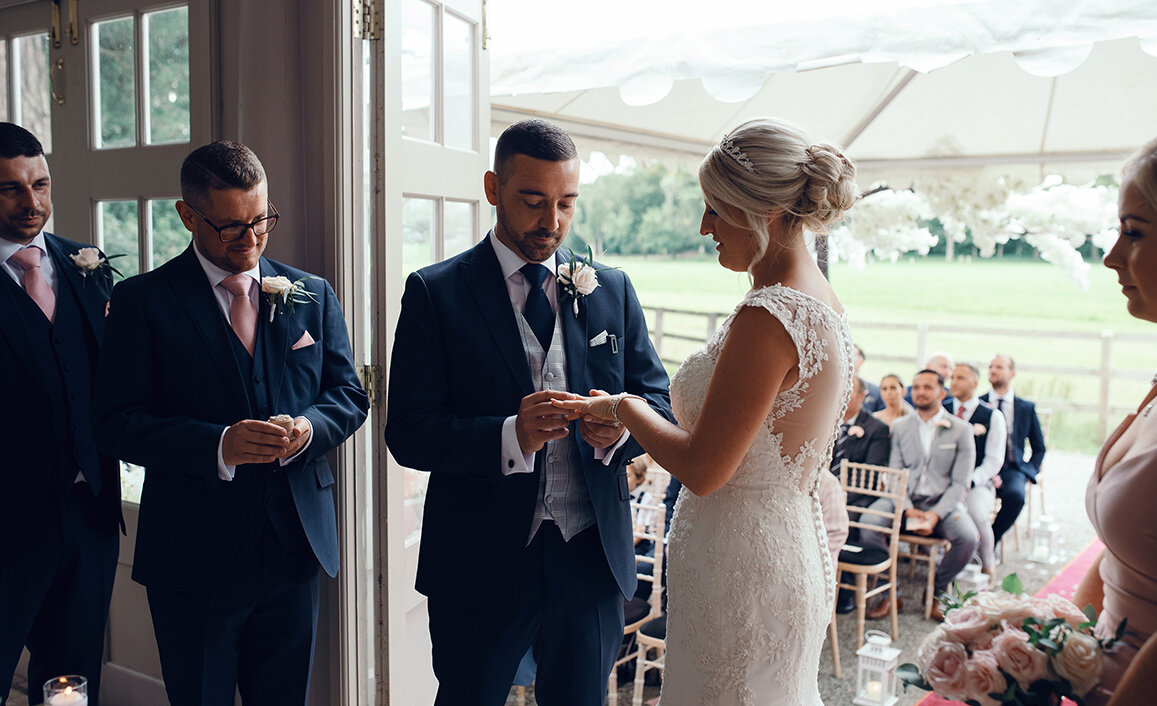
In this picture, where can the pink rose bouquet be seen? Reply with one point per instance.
(1002, 647)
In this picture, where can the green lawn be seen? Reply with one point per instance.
(1008, 298)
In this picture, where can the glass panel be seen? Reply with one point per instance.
(115, 90)
(117, 233)
(132, 479)
(418, 55)
(32, 107)
(418, 233)
(458, 82)
(169, 235)
(4, 81)
(460, 228)
(167, 47)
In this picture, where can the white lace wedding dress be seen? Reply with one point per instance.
(750, 578)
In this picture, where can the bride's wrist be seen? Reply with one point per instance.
(616, 400)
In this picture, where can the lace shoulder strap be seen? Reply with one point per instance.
(800, 315)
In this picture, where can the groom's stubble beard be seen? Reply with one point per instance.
(529, 249)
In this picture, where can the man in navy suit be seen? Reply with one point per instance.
(59, 497)
(526, 538)
(237, 513)
(1024, 427)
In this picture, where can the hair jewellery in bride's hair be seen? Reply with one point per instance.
(737, 154)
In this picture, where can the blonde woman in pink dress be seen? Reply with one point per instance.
(751, 580)
(1122, 492)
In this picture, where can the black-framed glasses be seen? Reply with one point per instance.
(236, 231)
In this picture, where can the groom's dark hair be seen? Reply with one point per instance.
(15, 142)
(221, 164)
(534, 138)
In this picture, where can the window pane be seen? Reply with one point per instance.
(4, 81)
(459, 232)
(33, 105)
(458, 82)
(168, 75)
(118, 234)
(418, 69)
(169, 235)
(115, 99)
(418, 233)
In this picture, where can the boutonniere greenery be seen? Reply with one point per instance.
(944, 423)
(577, 278)
(283, 295)
(89, 261)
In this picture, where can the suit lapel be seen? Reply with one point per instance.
(14, 328)
(574, 335)
(483, 277)
(191, 287)
(275, 347)
(70, 282)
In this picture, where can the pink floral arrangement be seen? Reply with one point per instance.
(1003, 647)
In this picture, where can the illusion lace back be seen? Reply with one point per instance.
(751, 581)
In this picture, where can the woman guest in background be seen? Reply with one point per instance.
(892, 393)
(751, 579)
(1122, 583)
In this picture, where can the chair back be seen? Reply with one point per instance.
(1045, 416)
(650, 520)
(879, 482)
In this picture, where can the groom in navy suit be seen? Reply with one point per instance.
(59, 498)
(237, 513)
(526, 537)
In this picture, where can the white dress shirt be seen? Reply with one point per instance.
(517, 287)
(224, 301)
(928, 429)
(47, 268)
(993, 443)
(1009, 404)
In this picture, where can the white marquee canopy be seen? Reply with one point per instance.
(1033, 86)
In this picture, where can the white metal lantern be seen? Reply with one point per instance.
(972, 579)
(1043, 533)
(876, 671)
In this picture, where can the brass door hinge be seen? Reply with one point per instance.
(370, 377)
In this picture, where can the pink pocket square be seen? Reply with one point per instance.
(304, 341)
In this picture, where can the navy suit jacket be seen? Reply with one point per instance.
(38, 468)
(459, 370)
(1027, 429)
(169, 384)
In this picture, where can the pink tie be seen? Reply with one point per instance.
(242, 313)
(960, 410)
(34, 282)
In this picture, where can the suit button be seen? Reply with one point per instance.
(510, 463)
(257, 379)
(550, 459)
(548, 499)
(550, 376)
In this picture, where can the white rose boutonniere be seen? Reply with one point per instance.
(89, 261)
(283, 294)
(944, 424)
(856, 430)
(578, 278)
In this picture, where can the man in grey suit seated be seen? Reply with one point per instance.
(939, 453)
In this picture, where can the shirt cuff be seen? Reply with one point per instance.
(224, 472)
(291, 459)
(608, 454)
(513, 460)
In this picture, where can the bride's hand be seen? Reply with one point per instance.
(598, 406)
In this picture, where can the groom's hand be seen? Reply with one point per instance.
(539, 421)
(599, 433)
(253, 441)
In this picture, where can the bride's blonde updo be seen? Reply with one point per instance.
(768, 166)
(1141, 169)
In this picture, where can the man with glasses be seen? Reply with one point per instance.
(203, 355)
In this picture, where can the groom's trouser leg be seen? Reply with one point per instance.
(582, 625)
(254, 630)
(55, 599)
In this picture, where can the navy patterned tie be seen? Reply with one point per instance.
(537, 311)
(840, 450)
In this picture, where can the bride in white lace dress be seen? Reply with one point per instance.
(750, 578)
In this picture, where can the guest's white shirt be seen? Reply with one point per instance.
(993, 399)
(225, 300)
(47, 268)
(928, 428)
(517, 287)
(993, 443)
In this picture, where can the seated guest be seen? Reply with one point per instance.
(862, 438)
(1023, 426)
(892, 395)
(834, 507)
(942, 364)
(937, 450)
(872, 401)
(641, 518)
(988, 430)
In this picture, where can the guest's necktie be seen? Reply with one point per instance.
(242, 313)
(960, 410)
(841, 448)
(537, 311)
(34, 283)
(1009, 455)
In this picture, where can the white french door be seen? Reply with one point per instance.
(425, 130)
